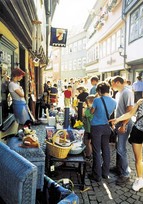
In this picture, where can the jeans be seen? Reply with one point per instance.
(101, 151)
(122, 158)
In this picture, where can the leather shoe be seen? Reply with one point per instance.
(91, 177)
(122, 180)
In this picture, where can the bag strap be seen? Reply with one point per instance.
(107, 111)
(105, 107)
(138, 119)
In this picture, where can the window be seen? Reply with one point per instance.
(96, 52)
(70, 65)
(109, 46)
(101, 50)
(128, 2)
(84, 44)
(70, 48)
(118, 39)
(104, 49)
(113, 43)
(74, 65)
(79, 45)
(136, 24)
(75, 47)
(79, 63)
(83, 62)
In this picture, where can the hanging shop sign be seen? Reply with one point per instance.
(58, 37)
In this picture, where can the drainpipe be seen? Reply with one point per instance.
(48, 14)
(125, 32)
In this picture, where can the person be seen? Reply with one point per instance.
(87, 117)
(125, 102)
(46, 95)
(100, 132)
(129, 84)
(47, 86)
(86, 83)
(138, 88)
(68, 96)
(135, 139)
(94, 82)
(65, 84)
(82, 94)
(74, 89)
(19, 105)
(54, 94)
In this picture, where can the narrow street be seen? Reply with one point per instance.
(104, 192)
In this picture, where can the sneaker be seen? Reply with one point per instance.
(138, 184)
(122, 180)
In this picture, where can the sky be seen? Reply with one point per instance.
(70, 13)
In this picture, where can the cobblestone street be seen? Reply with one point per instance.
(106, 191)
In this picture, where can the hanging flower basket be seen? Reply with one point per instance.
(100, 25)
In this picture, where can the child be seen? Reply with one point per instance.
(87, 117)
(68, 96)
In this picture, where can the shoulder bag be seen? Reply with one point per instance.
(113, 135)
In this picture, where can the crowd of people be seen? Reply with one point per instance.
(122, 100)
(115, 97)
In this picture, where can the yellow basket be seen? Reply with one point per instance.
(55, 150)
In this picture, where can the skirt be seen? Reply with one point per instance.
(20, 111)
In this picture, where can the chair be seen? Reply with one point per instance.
(57, 194)
(18, 177)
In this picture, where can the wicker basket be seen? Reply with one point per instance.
(58, 151)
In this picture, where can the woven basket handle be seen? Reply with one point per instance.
(57, 134)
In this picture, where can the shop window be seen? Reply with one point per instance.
(6, 63)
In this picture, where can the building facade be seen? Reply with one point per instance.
(133, 12)
(24, 29)
(114, 34)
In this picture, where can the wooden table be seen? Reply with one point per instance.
(78, 161)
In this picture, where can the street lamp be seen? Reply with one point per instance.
(121, 50)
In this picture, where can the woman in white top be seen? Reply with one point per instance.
(19, 105)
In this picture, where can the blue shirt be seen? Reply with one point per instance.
(93, 90)
(99, 117)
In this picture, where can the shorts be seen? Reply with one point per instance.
(87, 136)
(136, 136)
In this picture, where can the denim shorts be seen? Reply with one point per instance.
(136, 136)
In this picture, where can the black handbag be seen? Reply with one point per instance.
(113, 135)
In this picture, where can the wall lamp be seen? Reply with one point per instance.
(121, 50)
